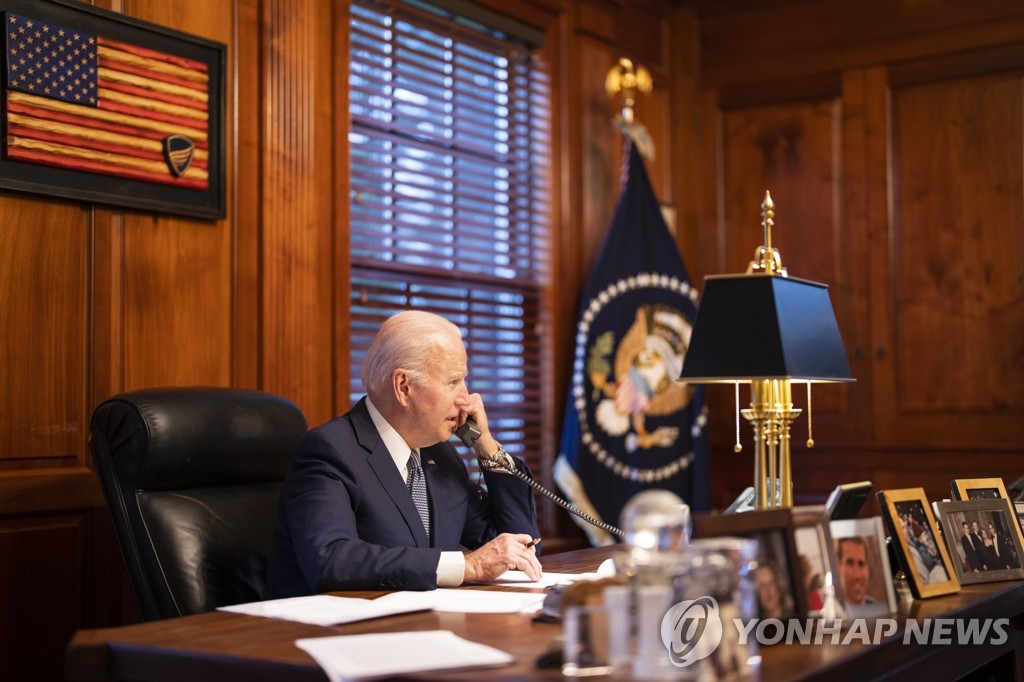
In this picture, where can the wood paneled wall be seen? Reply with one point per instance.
(96, 300)
(889, 133)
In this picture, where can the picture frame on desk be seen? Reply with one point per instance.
(777, 578)
(1019, 508)
(983, 489)
(983, 538)
(863, 567)
(816, 558)
(915, 535)
(978, 489)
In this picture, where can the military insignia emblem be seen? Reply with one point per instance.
(178, 151)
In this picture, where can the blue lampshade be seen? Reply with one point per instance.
(762, 326)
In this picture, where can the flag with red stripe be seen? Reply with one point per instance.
(88, 103)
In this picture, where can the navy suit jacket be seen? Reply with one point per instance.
(346, 520)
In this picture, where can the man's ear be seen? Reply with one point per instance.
(401, 384)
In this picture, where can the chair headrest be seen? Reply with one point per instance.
(174, 438)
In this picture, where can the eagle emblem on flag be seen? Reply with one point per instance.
(641, 383)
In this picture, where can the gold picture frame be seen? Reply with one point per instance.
(978, 489)
(915, 535)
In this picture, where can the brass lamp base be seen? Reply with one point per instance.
(771, 413)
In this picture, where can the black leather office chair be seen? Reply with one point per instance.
(191, 477)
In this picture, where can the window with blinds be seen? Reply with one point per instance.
(449, 199)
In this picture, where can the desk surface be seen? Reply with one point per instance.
(222, 647)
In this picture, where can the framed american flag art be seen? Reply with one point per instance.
(105, 108)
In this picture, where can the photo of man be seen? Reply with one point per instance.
(971, 551)
(854, 571)
(862, 569)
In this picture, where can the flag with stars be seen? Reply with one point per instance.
(92, 104)
(629, 424)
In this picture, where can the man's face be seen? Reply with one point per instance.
(974, 527)
(991, 530)
(967, 530)
(435, 403)
(854, 570)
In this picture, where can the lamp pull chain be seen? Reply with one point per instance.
(738, 447)
(810, 420)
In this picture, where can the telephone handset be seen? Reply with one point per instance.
(470, 432)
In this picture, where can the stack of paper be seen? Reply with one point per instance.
(466, 601)
(323, 609)
(520, 579)
(362, 657)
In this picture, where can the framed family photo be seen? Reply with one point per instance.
(983, 539)
(778, 584)
(915, 535)
(863, 567)
(815, 556)
(983, 489)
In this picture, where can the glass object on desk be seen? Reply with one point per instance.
(656, 520)
(588, 642)
(681, 607)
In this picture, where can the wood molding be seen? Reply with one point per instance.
(297, 204)
(36, 491)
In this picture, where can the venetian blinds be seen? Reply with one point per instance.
(449, 202)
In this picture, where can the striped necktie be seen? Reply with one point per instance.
(417, 485)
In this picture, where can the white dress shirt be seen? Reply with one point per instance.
(451, 567)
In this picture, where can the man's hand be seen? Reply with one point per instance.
(472, 407)
(507, 552)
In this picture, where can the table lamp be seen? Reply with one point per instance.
(770, 330)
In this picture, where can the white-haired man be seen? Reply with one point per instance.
(379, 499)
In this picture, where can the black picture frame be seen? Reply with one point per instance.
(165, 196)
(987, 558)
(777, 556)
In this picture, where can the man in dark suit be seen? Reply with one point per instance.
(353, 512)
(972, 554)
(979, 545)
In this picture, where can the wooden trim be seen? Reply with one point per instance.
(34, 491)
(246, 228)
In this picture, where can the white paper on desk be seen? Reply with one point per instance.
(363, 657)
(466, 601)
(322, 609)
(520, 579)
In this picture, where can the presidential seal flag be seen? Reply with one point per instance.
(630, 425)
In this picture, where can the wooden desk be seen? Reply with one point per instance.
(223, 647)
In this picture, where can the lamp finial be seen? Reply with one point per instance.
(767, 259)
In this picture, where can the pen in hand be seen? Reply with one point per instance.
(533, 543)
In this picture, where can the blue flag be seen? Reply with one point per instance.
(629, 424)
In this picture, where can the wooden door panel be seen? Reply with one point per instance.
(43, 307)
(958, 259)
